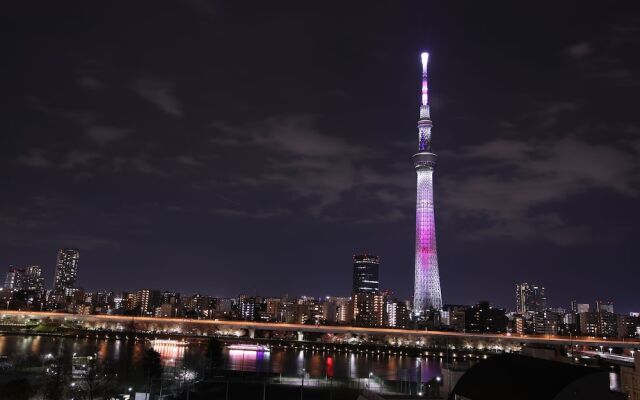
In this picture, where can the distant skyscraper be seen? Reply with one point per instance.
(530, 298)
(582, 308)
(32, 280)
(427, 294)
(66, 270)
(13, 278)
(367, 301)
(604, 306)
(26, 284)
(365, 274)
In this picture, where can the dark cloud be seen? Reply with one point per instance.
(160, 94)
(251, 214)
(35, 159)
(89, 82)
(104, 134)
(188, 160)
(79, 158)
(579, 50)
(312, 165)
(508, 181)
(140, 164)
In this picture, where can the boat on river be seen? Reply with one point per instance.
(249, 347)
(168, 342)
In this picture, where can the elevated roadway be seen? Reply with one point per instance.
(168, 323)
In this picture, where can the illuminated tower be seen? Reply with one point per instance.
(426, 294)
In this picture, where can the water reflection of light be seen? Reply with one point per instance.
(35, 345)
(353, 370)
(170, 352)
(315, 367)
(277, 362)
(103, 350)
(300, 361)
(243, 360)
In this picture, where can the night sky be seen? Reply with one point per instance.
(254, 147)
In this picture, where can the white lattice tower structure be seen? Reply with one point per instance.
(426, 294)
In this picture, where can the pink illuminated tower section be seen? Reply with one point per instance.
(426, 294)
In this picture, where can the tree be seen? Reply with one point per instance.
(96, 382)
(55, 384)
(17, 389)
(152, 366)
(214, 353)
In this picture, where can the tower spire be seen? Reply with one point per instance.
(425, 87)
(424, 123)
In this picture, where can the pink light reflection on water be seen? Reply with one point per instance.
(170, 353)
(246, 360)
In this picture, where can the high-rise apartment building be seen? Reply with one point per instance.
(25, 285)
(398, 316)
(247, 308)
(530, 298)
(66, 270)
(146, 301)
(365, 274)
(335, 310)
(32, 279)
(368, 309)
(12, 279)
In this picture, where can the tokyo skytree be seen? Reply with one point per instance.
(426, 294)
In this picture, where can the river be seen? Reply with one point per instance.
(125, 357)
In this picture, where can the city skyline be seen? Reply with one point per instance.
(364, 278)
(209, 142)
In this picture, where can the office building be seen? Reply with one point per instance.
(604, 306)
(482, 318)
(367, 305)
(530, 298)
(365, 273)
